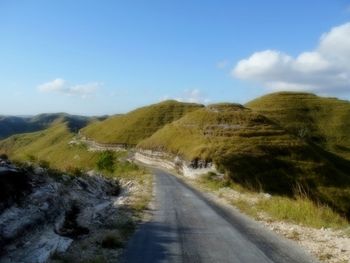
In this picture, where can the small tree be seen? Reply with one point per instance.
(44, 164)
(4, 156)
(106, 161)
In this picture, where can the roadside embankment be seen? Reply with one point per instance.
(168, 161)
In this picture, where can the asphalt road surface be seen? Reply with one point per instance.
(188, 226)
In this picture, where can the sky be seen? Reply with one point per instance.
(95, 57)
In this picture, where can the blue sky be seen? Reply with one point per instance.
(104, 57)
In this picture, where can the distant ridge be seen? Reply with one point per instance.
(10, 125)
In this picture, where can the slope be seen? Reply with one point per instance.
(254, 151)
(138, 124)
(10, 125)
(323, 121)
(50, 145)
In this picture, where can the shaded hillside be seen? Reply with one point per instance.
(254, 151)
(10, 125)
(324, 121)
(138, 124)
(51, 145)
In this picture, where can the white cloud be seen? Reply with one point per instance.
(325, 69)
(60, 86)
(54, 85)
(194, 96)
(189, 95)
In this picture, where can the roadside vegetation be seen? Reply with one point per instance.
(299, 209)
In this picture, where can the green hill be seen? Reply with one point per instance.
(282, 143)
(256, 152)
(10, 125)
(324, 121)
(50, 145)
(138, 124)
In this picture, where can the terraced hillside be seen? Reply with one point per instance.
(139, 124)
(324, 121)
(254, 151)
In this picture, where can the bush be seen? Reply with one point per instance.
(31, 158)
(106, 161)
(74, 171)
(111, 242)
(4, 156)
(44, 164)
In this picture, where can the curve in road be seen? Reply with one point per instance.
(188, 226)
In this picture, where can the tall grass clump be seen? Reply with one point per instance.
(302, 211)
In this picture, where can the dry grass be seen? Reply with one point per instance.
(300, 210)
(324, 121)
(139, 124)
(257, 153)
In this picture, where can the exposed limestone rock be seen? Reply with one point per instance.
(94, 146)
(52, 213)
(192, 169)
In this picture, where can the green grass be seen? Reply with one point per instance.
(254, 151)
(139, 124)
(324, 121)
(299, 210)
(51, 146)
(287, 140)
(302, 211)
(10, 125)
(205, 133)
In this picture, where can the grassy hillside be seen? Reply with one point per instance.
(252, 150)
(50, 145)
(10, 125)
(324, 121)
(138, 124)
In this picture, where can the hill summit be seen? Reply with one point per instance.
(319, 120)
(139, 124)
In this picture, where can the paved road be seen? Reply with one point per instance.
(186, 226)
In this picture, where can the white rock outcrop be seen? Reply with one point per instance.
(54, 212)
(171, 162)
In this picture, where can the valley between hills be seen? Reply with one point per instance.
(282, 159)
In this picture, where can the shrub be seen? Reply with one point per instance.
(31, 158)
(106, 161)
(111, 242)
(44, 164)
(74, 171)
(4, 156)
